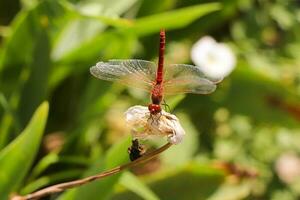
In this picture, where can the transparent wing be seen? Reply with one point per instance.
(182, 78)
(131, 72)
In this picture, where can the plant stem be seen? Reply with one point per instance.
(67, 185)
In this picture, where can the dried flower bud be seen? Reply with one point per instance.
(143, 125)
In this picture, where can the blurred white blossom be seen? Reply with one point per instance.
(215, 59)
(288, 167)
(143, 125)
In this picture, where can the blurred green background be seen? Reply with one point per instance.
(242, 142)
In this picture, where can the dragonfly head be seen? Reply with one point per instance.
(154, 108)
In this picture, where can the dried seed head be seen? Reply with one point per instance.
(144, 125)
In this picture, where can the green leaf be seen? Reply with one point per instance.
(232, 191)
(192, 182)
(17, 157)
(91, 10)
(101, 189)
(25, 62)
(35, 89)
(121, 45)
(8, 119)
(120, 39)
(94, 101)
(131, 182)
(184, 152)
(28, 3)
(84, 28)
(26, 28)
(246, 92)
(54, 158)
(51, 179)
(172, 19)
(250, 94)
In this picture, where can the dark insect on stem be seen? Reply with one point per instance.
(136, 150)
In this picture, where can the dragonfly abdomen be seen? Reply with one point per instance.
(162, 45)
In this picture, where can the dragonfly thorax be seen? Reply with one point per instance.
(156, 97)
(156, 94)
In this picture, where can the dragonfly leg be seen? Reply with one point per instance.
(156, 118)
(167, 107)
(152, 119)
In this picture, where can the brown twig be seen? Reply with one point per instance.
(67, 185)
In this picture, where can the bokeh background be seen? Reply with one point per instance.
(242, 141)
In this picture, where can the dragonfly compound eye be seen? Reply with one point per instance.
(154, 108)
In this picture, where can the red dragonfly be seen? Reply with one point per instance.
(160, 80)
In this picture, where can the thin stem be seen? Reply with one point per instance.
(67, 185)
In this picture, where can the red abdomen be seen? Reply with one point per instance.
(162, 44)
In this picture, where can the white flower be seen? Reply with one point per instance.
(288, 167)
(143, 125)
(216, 60)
